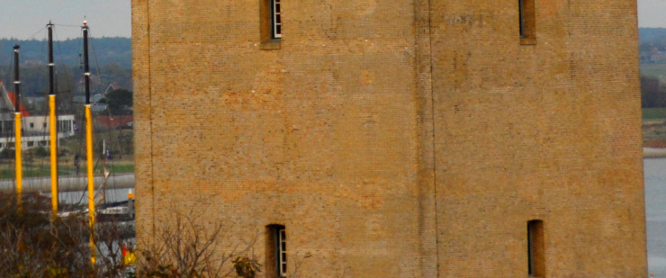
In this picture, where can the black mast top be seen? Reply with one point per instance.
(17, 82)
(86, 68)
(51, 64)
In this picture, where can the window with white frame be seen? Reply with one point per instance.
(282, 252)
(64, 126)
(276, 260)
(276, 24)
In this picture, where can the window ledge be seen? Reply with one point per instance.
(528, 41)
(273, 44)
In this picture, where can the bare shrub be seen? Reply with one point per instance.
(184, 247)
(33, 245)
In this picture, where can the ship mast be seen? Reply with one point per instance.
(53, 126)
(89, 152)
(17, 128)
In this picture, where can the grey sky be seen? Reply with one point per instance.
(652, 13)
(24, 19)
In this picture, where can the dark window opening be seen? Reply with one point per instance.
(527, 21)
(535, 249)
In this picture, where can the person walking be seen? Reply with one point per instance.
(76, 163)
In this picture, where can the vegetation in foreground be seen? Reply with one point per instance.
(34, 245)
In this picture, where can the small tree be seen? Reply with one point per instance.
(7, 153)
(119, 102)
(41, 152)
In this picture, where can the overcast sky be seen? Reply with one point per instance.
(652, 13)
(24, 19)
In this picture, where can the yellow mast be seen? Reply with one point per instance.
(17, 126)
(89, 153)
(54, 156)
(19, 161)
(53, 128)
(91, 180)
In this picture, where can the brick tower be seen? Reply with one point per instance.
(422, 138)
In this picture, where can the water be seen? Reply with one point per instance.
(655, 210)
(76, 197)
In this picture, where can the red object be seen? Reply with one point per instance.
(115, 121)
(12, 97)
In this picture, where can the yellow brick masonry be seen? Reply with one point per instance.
(397, 138)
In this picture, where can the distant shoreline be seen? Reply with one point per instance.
(654, 152)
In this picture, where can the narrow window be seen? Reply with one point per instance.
(277, 20)
(270, 24)
(276, 251)
(527, 21)
(536, 263)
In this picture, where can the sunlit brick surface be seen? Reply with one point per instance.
(397, 138)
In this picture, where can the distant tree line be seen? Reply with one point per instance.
(652, 45)
(35, 81)
(652, 38)
(102, 51)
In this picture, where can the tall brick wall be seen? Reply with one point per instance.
(319, 136)
(549, 131)
(390, 137)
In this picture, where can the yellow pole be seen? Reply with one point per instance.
(91, 180)
(54, 155)
(19, 162)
